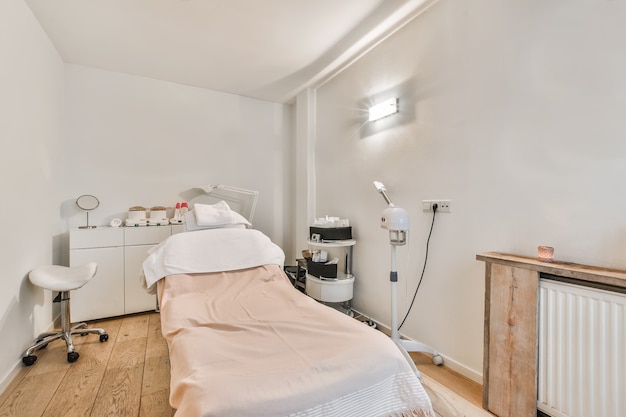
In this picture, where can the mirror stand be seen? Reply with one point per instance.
(87, 226)
(87, 203)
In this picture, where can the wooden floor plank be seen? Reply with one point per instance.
(32, 395)
(157, 346)
(156, 405)
(156, 374)
(120, 392)
(134, 327)
(154, 329)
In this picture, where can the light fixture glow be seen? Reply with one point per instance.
(384, 109)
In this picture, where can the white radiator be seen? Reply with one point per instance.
(582, 351)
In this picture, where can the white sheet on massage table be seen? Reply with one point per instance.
(246, 343)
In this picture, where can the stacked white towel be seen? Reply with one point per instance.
(209, 216)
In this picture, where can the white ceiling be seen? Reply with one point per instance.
(266, 49)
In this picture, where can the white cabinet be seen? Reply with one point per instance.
(116, 289)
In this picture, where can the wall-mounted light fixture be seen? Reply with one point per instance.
(384, 109)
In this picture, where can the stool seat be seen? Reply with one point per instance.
(62, 278)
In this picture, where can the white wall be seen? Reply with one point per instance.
(514, 111)
(31, 164)
(139, 141)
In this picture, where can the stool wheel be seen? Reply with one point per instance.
(104, 337)
(72, 356)
(29, 360)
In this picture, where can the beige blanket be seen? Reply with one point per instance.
(246, 343)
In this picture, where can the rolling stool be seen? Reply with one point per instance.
(62, 279)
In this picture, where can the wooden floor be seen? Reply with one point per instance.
(126, 376)
(129, 376)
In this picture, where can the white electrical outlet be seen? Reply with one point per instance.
(443, 206)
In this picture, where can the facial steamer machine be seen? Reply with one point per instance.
(396, 220)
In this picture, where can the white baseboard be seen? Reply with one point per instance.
(447, 362)
(463, 370)
(10, 376)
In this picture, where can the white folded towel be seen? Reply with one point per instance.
(215, 215)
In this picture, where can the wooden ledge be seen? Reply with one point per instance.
(594, 274)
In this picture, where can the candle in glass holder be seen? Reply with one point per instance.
(545, 253)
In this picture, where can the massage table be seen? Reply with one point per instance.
(244, 342)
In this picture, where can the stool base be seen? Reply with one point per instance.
(65, 333)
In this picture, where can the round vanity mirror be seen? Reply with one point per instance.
(87, 202)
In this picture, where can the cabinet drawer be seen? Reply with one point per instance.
(148, 235)
(96, 238)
